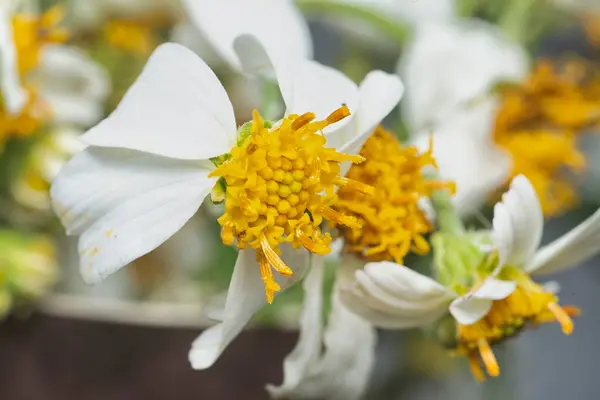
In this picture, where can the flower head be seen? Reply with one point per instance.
(279, 186)
(549, 109)
(392, 222)
(173, 140)
(483, 280)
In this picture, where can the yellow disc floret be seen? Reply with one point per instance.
(280, 185)
(538, 124)
(529, 303)
(391, 221)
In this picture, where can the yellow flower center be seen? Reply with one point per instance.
(280, 185)
(529, 303)
(391, 221)
(538, 124)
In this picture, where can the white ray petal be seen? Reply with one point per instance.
(125, 204)
(246, 295)
(177, 108)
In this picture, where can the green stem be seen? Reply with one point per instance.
(515, 19)
(447, 218)
(389, 26)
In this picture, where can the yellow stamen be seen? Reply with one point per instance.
(562, 317)
(267, 276)
(280, 187)
(528, 303)
(475, 368)
(389, 222)
(488, 358)
(539, 122)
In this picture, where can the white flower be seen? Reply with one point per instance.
(277, 24)
(72, 84)
(334, 364)
(147, 169)
(447, 65)
(393, 296)
(14, 97)
(467, 155)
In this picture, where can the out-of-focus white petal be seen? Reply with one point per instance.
(470, 308)
(393, 296)
(305, 355)
(449, 64)
(125, 203)
(177, 108)
(72, 84)
(305, 85)
(502, 233)
(342, 369)
(526, 219)
(224, 20)
(186, 34)
(380, 92)
(466, 154)
(570, 250)
(14, 96)
(245, 296)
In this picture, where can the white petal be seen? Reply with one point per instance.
(448, 65)
(569, 250)
(390, 295)
(176, 108)
(125, 204)
(305, 85)
(470, 308)
(467, 311)
(474, 162)
(305, 355)
(526, 219)
(245, 296)
(224, 20)
(341, 371)
(502, 234)
(380, 93)
(72, 84)
(14, 96)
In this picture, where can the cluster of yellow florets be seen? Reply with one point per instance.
(280, 184)
(391, 221)
(529, 303)
(538, 124)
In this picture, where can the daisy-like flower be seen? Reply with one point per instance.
(42, 80)
(483, 279)
(173, 140)
(22, 38)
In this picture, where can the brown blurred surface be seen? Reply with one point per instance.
(50, 358)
